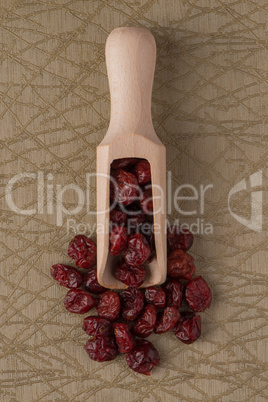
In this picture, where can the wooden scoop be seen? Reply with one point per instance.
(130, 58)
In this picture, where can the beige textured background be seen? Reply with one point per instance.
(209, 105)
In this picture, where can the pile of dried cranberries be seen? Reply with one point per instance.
(125, 318)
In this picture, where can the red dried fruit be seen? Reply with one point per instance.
(142, 171)
(109, 305)
(198, 294)
(146, 323)
(123, 337)
(188, 328)
(174, 293)
(79, 301)
(178, 237)
(118, 240)
(102, 349)
(124, 187)
(90, 282)
(66, 276)
(143, 357)
(133, 302)
(123, 163)
(97, 326)
(180, 265)
(167, 320)
(130, 276)
(135, 221)
(146, 202)
(117, 216)
(147, 230)
(83, 251)
(155, 295)
(138, 250)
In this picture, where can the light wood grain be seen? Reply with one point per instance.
(130, 58)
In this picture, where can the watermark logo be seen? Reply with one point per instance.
(51, 199)
(255, 221)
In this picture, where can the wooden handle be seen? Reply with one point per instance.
(130, 58)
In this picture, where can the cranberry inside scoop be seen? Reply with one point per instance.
(130, 276)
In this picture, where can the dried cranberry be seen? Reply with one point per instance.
(124, 339)
(167, 320)
(198, 294)
(135, 219)
(124, 187)
(147, 230)
(174, 293)
(91, 283)
(155, 295)
(118, 240)
(83, 251)
(178, 237)
(79, 301)
(109, 305)
(180, 265)
(102, 349)
(138, 250)
(142, 171)
(143, 357)
(188, 328)
(146, 202)
(133, 302)
(123, 163)
(97, 326)
(117, 216)
(130, 276)
(146, 323)
(66, 276)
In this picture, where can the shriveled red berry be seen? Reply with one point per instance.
(166, 320)
(174, 293)
(143, 357)
(83, 251)
(102, 349)
(132, 300)
(66, 276)
(118, 240)
(124, 187)
(79, 301)
(198, 294)
(130, 276)
(142, 171)
(138, 250)
(155, 295)
(123, 337)
(147, 229)
(146, 201)
(91, 284)
(118, 217)
(97, 326)
(109, 305)
(180, 265)
(179, 237)
(123, 163)
(146, 323)
(188, 328)
(134, 222)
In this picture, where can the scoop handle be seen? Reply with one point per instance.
(130, 59)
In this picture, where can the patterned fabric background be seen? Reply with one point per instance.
(209, 106)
